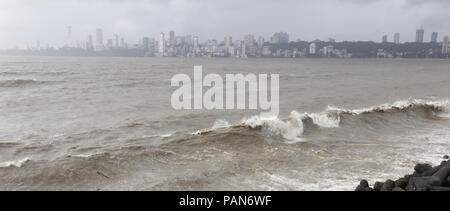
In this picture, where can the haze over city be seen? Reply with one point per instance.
(26, 21)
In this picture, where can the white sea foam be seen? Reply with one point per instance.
(292, 128)
(17, 163)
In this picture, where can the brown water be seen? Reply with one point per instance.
(107, 123)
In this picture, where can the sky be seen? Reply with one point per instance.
(26, 21)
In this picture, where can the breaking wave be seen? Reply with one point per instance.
(292, 129)
(17, 163)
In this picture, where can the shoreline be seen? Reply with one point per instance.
(424, 178)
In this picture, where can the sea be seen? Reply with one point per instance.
(105, 123)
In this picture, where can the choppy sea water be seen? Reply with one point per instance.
(75, 123)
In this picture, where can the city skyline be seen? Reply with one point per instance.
(25, 21)
(116, 41)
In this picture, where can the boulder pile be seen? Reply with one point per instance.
(424, 178)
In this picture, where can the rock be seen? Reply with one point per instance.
(368, 189)
(359, 189)
(388, 186)
(364, 184)
(377, 186)
(398, 189)
(421, 168)
(432, 171)
(419, 183)
(446, 157)
(440, 177)
(402, 183)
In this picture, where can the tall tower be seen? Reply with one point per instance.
(228, 41)
(172, 38)
(99, 35)
(434, 37)
(397, 38)
(116, 43)
(384, 39)
(90, 42)
(162, 44)
(419, 35)
(445, 46)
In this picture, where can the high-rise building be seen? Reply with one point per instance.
(261, 42)
(145, 43)
(445, 46)
(249, 40)
(384, 39)
(228, 41)
(90, 42)
(99, 36)
(434, 37)
(116, 41)
(397, 38)
(419, 35)
(280, 37)
(172, 38)
(312, 48)
(122, 42)
(162, 44)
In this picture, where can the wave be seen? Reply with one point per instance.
(20, 83)
(292, 129)
(17, 163)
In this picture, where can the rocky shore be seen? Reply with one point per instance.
(424, 178)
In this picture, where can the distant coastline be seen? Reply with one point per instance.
(316, 49)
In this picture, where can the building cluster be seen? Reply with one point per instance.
(420, 38)
(279, 45)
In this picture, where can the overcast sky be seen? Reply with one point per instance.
(25, 21)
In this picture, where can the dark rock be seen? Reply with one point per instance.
(398, 189)
(420, 183)
(368, 189)
(359, 189)
(402, 183)
(388, 186)
(432, 171)
(377, 186)
(421, 168)
(446, 157)
(364, 184)
(440, 177)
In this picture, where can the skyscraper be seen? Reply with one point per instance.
(228, 41)
(249, 40)
(397, 38)
(145, 43)
(90, 42)
(419, 35)
(162, 44)
(116, 41)
(260, 42)
(312, 49)
(99, 36)
(384, 39)
(172, 38)
(445, 46)
(434, 37)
